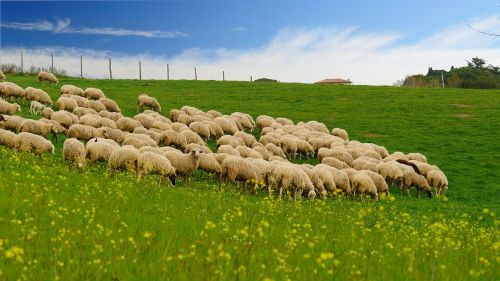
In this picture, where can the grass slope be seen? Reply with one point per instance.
(56, 223)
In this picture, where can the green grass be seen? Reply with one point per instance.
(56, 223)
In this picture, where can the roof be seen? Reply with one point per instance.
(334, 81)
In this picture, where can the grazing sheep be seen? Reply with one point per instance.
(363, 184)
(410, 178)
(7, 138)
(178, 127)
(110, 105)
(291, 177)
(64, 118)
(146, 138)
(9, 108)
(304, 148)
(416, 156)
(36, 127)
(390, 172)
(174, 138)
(2, 76)
(245, 120)
(71, 90)
(152, 163)
(11, 90)
(408, 164)
(334, 162)
(235, 168)
(382, 151)
(247, 152)
(228, 125)
(80, 111)
(263, 121)
(341, 155)
(438, 180)
(215, 129)
(214, 113)
(201, 129)
(13, 122)
(146, 120)
(379, 182)
(209, 164)
(230, 140)
(362, 164)
(47, 112)
(95, 105)
(185, 164)
(56, 127)
(36, 107)
(123, 158)
(266, 139)
(341, 133)
(111, 115)
(185, 119)
(84, 132)
(38, 95)
(151, 102)
(74, 153)
(160, 125)
(275, 150)
(90, 120)
(262, 151)
(99, 150)
(93, 93)
(192, 137)
(323, 181)
(228, 150)
(65, 103)
(248, 139)
(127, 124)
(156, 136)
(193, 146)
(47, 76)
(28, 142)
(424, 168)
(284, 121)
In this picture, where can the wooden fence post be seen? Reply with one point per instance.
(223, 76)
(81, 67)
(110, 73)
(195, 74)
(52, 62)
(140, 71)
(22, 62)
(168, 72)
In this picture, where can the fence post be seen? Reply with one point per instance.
(223, 76)
(110, 73)
(140, 71)
(251, 78)
(22, 63)
(195, 74)
(168, 72)
(81, 67)
(52, 62)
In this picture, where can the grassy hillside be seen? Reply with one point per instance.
(59, 223)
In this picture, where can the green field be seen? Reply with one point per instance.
(60, 224)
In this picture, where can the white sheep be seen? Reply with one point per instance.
(80, 111)
(151, 102)
(209, 164)
(334, 162)
(36, 107)
(95, 105)
(64, 118)
(201, 129)
(379, 182)
(7, 138)
(174, 138)
(227, 124)
(36, 127)
(185, 164)
(71, 90)
(230, 140)
(110, 105)
(28, 142)
(363, 184)
(83, 132)
(237, 169)
(47, 112)
(2, 76)
(93, 93)
(341, 133)
(13, 122)
(11, 90)
(192, 137)
(290, 177)
(438, 180)
(66, 103)
(127, 124)
(153, 163)
(74, 153)
(248, 139)
(123, 158)
(9, 108)
(99, 150)
(412, 179)
(47, 76)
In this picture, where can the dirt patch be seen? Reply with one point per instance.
(463, 105)
(462, 115)
(372, 135)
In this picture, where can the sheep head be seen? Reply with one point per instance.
(18, 107)
(172, 179)
(195, 153)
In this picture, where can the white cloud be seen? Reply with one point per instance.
(64, 26)
(292, 55)
(239, 29)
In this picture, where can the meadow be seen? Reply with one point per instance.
(60, 224)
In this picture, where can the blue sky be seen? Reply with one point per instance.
(173, 29)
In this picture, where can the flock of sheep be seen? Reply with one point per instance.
(150, 143)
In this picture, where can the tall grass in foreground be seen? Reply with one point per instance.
(59, 224)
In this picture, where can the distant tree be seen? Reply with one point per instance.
(476, 62)
(429, 72)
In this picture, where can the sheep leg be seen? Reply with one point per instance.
(280, 192)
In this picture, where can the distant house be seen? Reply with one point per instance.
(334, 81)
